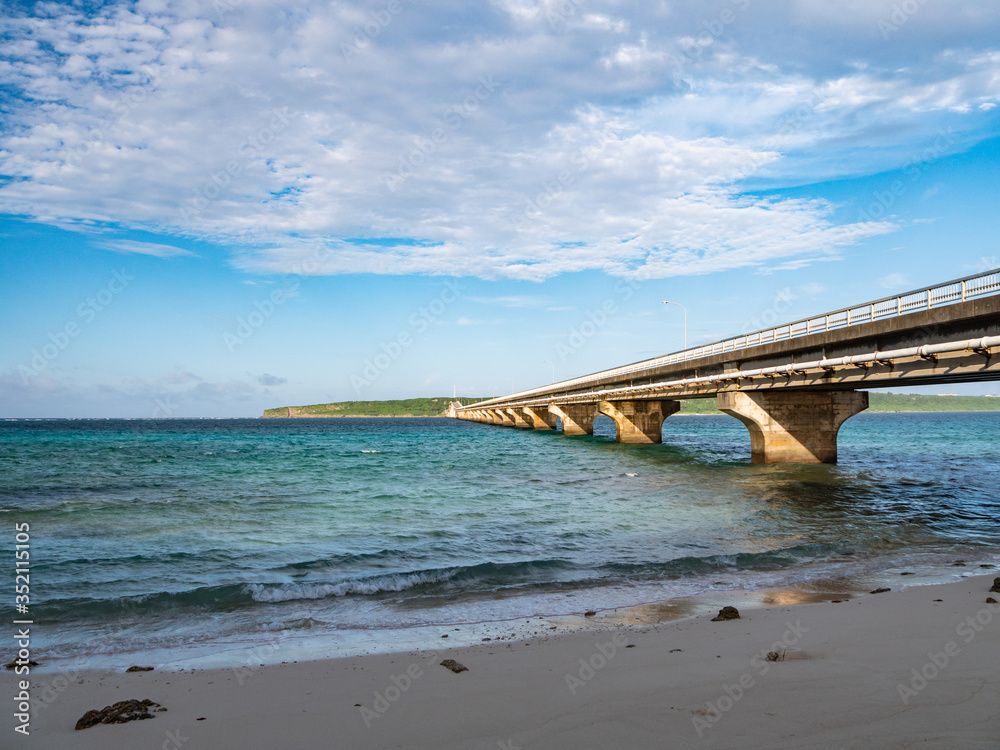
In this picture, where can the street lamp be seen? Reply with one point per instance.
(667, 302)
(546, 362)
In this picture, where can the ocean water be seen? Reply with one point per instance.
(194, 537)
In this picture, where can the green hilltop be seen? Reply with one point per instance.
(435, 407)
(411, 407)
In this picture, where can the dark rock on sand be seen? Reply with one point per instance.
(996, 586)
(727, 613)
(14, 664)
(119, 713)
(990, 600)
(880, 591)
(589, 613)
(139, 669)
(454, 666)
(776, 655)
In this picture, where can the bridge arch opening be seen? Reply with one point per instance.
(639, 421)
(604, 426)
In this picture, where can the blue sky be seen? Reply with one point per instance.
(211, 208)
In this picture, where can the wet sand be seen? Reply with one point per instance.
(900, 669)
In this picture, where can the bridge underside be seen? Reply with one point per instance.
(789, 427)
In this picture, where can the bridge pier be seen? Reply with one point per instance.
(518, 419)
(793, 426)
(639, 421)
(577, 419)
(498, 417)
(540, 417)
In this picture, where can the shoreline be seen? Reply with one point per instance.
(589, 616)
(851, 673)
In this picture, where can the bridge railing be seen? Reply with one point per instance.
(940, 295)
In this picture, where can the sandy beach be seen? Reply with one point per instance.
(913, 668)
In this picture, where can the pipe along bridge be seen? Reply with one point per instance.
(793, 385)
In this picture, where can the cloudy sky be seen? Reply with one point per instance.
(210, 207)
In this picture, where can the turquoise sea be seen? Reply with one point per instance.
(195, 537)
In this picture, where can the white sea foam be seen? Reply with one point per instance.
(292, 591)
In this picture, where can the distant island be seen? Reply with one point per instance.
(411, 407)
(435, 407)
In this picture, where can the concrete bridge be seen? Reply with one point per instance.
(794, 385)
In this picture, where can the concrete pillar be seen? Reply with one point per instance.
(577, 419)
(794, 427)
(519, 419)
(502, 418)
(540, 417)
(639, 421)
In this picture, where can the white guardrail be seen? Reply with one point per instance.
(940, 295)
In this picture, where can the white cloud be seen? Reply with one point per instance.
(145, 248)
(533, 138)
(634, 56)
(175, 394)
(607, 23)
(522, 300)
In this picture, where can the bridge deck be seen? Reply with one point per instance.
(948, 341)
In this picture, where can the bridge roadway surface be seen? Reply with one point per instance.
(793, 385)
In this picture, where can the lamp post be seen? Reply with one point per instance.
(546, 362)
(667, 302)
